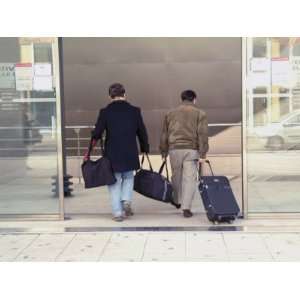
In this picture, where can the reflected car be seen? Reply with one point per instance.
(284, 134)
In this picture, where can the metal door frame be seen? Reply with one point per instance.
(59, 120)
(244, 129)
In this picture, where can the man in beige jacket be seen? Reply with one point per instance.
(185, 138)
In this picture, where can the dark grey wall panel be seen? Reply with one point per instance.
(9, 50)
(154, 72)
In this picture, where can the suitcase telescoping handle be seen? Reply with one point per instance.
(209, 164)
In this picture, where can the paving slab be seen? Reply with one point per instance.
(46, 247)
(85, 247)
(124, 246)
(12, 245)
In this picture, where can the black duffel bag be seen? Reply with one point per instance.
(154, 185)
(97, 173)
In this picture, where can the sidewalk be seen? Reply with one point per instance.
(150, 237)
(151, 246)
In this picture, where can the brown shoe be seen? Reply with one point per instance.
(187, 213)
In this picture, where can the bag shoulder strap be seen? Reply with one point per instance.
(148, 159)
(164, 164)
(91, 144)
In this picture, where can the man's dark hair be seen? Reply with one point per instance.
(188, 95)
(116, 90)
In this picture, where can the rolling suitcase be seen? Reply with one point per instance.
(218, 198)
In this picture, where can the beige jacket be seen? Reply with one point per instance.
(185, 127)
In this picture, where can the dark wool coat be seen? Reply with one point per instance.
(122, 124)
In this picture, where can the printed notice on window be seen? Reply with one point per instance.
(42, 83)
(281, 72)
(42, 69)
(24, 77)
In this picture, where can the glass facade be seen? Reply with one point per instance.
(273, 124)
(31, 159)
(29, 127)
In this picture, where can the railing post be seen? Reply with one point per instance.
(77, 131)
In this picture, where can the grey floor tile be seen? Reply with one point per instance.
(165, 246)
(205, 246)
(12, 245)
(47, 247)
(124, 246)
(245, 243)
(283, 246)
(85, 247)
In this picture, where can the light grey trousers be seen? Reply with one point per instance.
(184, 165)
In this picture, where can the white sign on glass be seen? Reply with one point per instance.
(258, 80)
(24, 77)
(281, 72)
(42, 69)
(42, 83)
(296, 70)
(260, 64)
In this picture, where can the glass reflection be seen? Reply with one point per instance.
(28, 137)
(273, 124)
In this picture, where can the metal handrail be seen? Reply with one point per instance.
(90, 126)
(25, 127)
(209, 125)
(79, 148)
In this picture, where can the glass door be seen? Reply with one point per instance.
(273, 124)
(30, 128)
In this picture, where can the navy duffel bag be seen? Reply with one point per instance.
(97, 173)
(153, 184)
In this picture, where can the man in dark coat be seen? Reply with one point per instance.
(122, 124)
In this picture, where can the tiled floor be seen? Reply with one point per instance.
(151, 246)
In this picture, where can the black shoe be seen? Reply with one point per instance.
(127, 209)
(187, 213)
(118, 218)
(177, 205)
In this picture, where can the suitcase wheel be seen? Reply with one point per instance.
(216, 222)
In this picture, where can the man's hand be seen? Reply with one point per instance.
(164, 155)
(202, 160)
(86, 157)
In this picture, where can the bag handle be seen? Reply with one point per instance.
(92, 143)
(210, 167)
(148, 159)
(164, 164)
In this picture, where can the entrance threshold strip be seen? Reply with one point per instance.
(156, 228)
(84, 229)
(94, 229)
